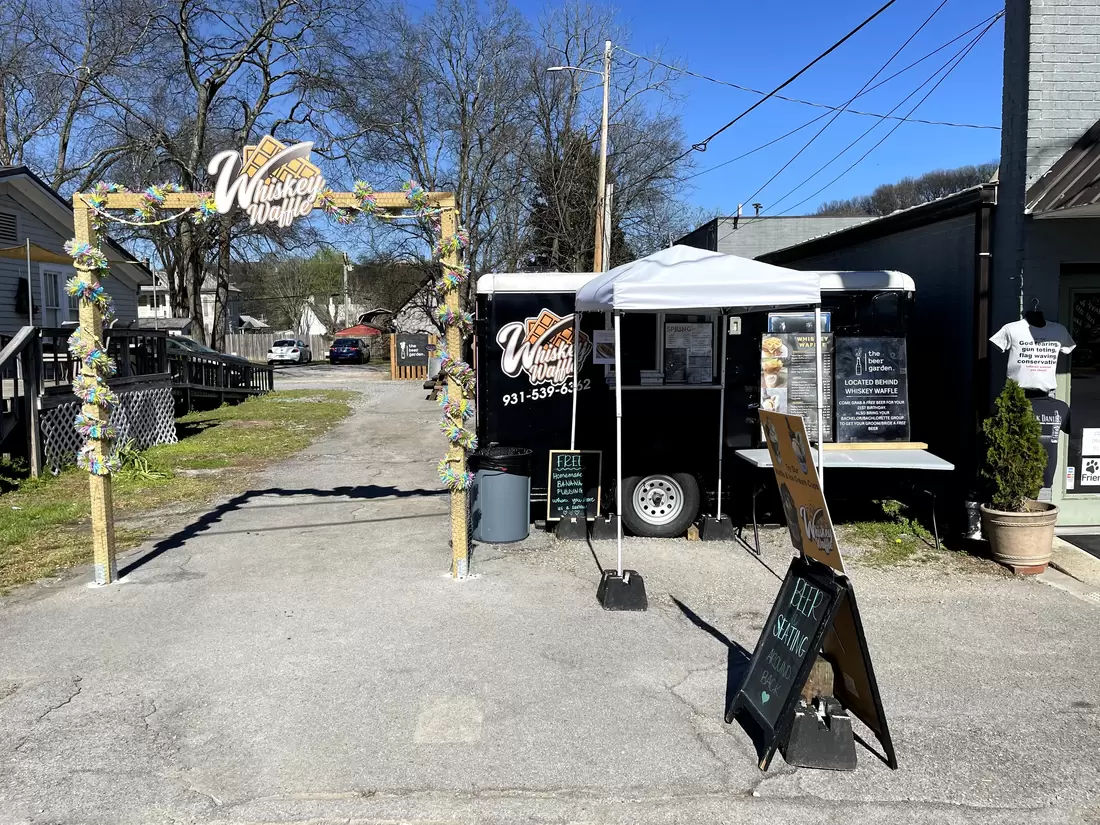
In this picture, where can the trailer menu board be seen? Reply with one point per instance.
(788, 382)
(574, 484)
(689, 353)
(872, 398)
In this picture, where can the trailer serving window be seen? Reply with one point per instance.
(666, 348)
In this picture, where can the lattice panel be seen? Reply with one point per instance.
(146, 416)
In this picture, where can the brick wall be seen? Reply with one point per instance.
(1051, 97)
(1063, 90)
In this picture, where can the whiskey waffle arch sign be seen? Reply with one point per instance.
(272, 182)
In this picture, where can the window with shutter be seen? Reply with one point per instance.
(8, 235)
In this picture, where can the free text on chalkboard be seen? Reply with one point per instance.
(574, 484)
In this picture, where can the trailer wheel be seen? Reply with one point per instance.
(661, 505)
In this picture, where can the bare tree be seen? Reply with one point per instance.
(441, 102)
(232, 70)
(566, 112)
(54, 57)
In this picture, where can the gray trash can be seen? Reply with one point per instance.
(500, 503)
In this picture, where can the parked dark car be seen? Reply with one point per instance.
(349, 349)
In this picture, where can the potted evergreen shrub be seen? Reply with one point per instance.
(1020, 529)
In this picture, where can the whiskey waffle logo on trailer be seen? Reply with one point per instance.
(272, 182)
(542, 347)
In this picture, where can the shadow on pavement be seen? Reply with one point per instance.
(206, 520)
(737, 660)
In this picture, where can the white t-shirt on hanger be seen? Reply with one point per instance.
(1033, 352)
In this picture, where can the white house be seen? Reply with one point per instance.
(153, 304)
(31, 210)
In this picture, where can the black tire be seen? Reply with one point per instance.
(665, 508)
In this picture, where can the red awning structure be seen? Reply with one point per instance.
(358, 331)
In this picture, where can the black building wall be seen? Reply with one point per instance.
(941, 257)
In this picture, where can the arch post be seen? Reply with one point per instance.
(460, 554)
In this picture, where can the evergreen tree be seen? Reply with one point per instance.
(561, 227)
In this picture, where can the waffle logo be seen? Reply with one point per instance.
(272, 182)
(815, 524)
(542, 347)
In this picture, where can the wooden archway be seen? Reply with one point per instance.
(99, 444)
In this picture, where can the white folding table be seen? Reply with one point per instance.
(853, 459)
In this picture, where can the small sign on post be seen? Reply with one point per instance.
(574, 484)
(872, 395)
(412, 349)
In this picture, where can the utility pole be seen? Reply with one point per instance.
(603, 204)
(605, 240)
(347, 268)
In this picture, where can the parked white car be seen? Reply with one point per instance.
(289, 351)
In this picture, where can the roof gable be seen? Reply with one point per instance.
(36, 196)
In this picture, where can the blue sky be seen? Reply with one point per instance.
(761, 44)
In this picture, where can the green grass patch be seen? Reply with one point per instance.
(44, 522)
(891, 537)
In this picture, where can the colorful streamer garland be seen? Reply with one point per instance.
(86, 460)
(449, 318)
(454, 243)
(92, 427)
(92, 292)
(452, 278)
(91, 352)
(453, 479)
(460, 410)
(363, 194)
(153, 198)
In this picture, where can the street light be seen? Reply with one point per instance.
(601, 251)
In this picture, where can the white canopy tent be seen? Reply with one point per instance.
(683, 278)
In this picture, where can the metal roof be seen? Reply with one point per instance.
(1072, 183)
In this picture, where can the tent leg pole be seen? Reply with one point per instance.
(619, 443)
(820, 402)
(723, 331)
(576, 369)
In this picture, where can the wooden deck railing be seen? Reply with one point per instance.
(37, 371)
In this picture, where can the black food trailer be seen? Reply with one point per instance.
(524, 351)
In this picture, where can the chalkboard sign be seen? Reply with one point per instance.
(574, 484)
(412, 349)
(802, 613)
(872, 395)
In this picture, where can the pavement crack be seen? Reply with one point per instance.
(697, 718)
(76, 692)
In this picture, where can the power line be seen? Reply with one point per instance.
(829, 107)
(836, 114)
(955, 58)
(701, 146)
(954, 61)
(883, 82)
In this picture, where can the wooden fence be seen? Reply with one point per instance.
(254, 345)
(397, 373)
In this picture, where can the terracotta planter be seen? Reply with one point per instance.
(1022, 541)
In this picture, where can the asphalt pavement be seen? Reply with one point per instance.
(299, 654)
